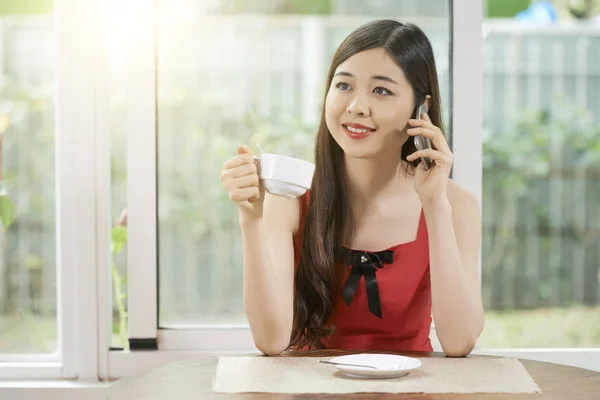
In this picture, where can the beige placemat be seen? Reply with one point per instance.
(436, 375)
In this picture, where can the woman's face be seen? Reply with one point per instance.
(369, 104)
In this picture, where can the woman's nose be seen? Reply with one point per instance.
(358, 106)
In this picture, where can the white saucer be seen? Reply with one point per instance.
(388, 365)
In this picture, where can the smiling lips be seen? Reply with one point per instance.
(357, 131)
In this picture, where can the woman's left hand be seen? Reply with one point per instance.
(431, 185)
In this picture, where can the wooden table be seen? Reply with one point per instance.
(557, 382)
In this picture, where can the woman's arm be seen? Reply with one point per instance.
(454, 228)
(269, 273)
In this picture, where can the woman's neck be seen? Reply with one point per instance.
(370, 179)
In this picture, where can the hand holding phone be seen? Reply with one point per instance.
(421, 142)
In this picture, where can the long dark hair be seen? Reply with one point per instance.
(328, 221)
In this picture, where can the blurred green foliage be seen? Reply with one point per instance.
(7, 211)
(505, 8)
(539, 179)
(26, 7)
(298, 7)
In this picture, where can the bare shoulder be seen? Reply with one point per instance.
(464, 203)
(281, 213)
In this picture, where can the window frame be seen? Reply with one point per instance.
(467, 123)
(193, 341)
(83, 210)
(82, 157)
(142, 226)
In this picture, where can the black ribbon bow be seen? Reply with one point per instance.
(365, 263)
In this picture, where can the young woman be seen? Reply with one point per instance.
(379, 244)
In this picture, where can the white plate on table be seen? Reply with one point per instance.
(386, 365)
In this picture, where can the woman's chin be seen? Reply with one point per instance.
(372, 151)
(361, 152)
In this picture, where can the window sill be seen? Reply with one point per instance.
(53, 390)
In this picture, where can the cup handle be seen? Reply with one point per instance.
(257, 162)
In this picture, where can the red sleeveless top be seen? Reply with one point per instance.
(404, 296)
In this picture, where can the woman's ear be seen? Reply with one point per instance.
(427, 102)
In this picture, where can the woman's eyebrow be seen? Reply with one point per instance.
(375, 77)
(384, 78)
(344, 73)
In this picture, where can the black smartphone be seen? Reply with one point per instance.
(421, 142)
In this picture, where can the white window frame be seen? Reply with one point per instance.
(192, 341)
(142, 213)
(177, 342)
(82, 157)
(467, 112)
(143, 234)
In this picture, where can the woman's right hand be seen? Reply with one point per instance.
(241, 181)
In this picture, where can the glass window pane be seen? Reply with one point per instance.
(118, 15)
(541, 184)
(27, 246)
(235, 72)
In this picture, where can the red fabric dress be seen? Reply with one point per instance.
(404, 288)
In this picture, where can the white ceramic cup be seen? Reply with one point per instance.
(285, 176)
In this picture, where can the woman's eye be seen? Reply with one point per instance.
(342, 86)
(381, 90)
